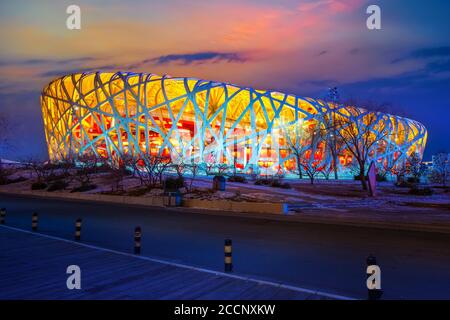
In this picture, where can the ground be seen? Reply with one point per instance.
(322, 243)
(328, 258)
(337, 198)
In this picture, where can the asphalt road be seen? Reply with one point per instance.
(414, 265)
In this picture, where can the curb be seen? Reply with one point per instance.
(158, 201)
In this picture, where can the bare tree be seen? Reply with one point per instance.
(208, 168)
(150, 169)
(4, 146)
(393, 165)
(399, 170)
(162, 167)
(86, 166)
(414, 166)
(441, 168)
(179, 168)
(216, 169)
(304, 141)
(222, 169)
(40, 169)
(66, 167)
(5, 130)
(332, 140)
(326, 171)
(292, 134)
(312, 138)
(360, 131)
(193, 169)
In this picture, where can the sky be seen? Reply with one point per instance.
(300, 47)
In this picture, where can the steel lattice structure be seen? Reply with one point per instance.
(111, 114)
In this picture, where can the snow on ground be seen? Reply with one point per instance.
(324, 194)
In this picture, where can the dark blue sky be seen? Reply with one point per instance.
(299, 47)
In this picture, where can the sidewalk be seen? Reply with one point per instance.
(33, 266)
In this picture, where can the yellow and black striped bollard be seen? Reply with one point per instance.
(78, 229)
(137, 240)
(228, 256)
(2, 215)
(34, 221)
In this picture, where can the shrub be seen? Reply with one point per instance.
(379, 178)
(57, 185)
(276, 184)
(279, 184)
(55, 177)
(412, 180)
(425, 191)
(19, 179)
(173, 183)
(286, 186)
(404, 184)
(38, 186)
(273, 183)
(240, 179)
(84, 188)
(102, 168)
(4, 181)
(138, 192)
(265, 182)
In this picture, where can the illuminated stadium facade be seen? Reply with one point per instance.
(192, 120)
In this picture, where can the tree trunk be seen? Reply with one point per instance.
(363, 178)
(299, 167)
(335, 167)
(334, 158)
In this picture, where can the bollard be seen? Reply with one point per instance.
(137, 240)
(34, 221)
(78, 229)
(2, 215)
(373, 274)
(228, 256)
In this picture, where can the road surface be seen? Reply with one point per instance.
(33, 266)
(328, 258)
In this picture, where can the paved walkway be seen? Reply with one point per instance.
(33, 266)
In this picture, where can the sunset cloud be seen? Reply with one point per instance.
(199, 57)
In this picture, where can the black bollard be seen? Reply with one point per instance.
(78, 229)
(228, 255)
(137, 240)
(34, 221)
(2, 215)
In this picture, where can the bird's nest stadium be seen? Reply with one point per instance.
(192, 120)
